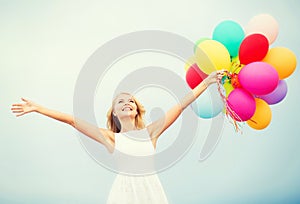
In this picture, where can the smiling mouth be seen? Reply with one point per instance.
(127, 108)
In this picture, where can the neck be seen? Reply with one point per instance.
(128, 125)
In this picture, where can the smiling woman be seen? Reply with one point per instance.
(125, 104)
(125, 118)
(44, 45)
(128, 135)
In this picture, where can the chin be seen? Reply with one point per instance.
(128, 114)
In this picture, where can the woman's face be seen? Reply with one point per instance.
(124, 106)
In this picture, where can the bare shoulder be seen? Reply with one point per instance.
(150, 128)
(155, 128)
(108, 134)
(152, 134)
(110, 138)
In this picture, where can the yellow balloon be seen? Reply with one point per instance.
(211, 55)
(200, 41)
(283, 60)
(262, 116)
(190, 62)
(228, 88)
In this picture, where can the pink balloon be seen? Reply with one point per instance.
(259, 78)
(277, 95)
(264, 24)
(242, 103)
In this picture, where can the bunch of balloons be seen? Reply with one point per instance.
(255, 72)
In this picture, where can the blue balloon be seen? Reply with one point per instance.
(209, 104)
(230, 34)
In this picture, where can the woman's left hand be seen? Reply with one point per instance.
(214, 77)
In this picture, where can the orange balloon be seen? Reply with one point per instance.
(262, 116)
(283, 60)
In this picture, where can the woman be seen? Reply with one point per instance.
(125, 117)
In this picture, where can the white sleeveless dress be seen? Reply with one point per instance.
(133, 189)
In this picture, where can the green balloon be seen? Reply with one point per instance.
(230, 34)
(200, 41)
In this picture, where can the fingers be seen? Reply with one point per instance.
(223, 71)
(20, 114)
(16, 109)
(17, 104)
(21, 104)
(220, 74)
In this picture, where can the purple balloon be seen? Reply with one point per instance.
(259, 78)
(277, 95)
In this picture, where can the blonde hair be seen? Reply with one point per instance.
(113, 122)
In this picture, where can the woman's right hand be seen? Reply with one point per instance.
(22, 108)
(103, 136)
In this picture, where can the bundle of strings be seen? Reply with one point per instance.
(232, 117)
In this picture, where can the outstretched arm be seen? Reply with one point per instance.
(156, 128)
(103, 136)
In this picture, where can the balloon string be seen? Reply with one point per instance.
(230, 114)
(235, 66)
(253, 121)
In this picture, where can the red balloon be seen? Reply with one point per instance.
(253, 48)
(194, 76)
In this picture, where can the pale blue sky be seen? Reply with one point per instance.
(44, 45)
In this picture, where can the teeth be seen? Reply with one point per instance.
(127, 109)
